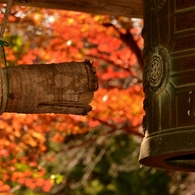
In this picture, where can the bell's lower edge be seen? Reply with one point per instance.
(169, 150)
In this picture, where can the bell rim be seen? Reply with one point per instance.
(166, 149)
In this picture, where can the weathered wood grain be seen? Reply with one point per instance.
(129, 8)
(65, 88)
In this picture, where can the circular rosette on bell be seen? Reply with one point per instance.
(157, 70)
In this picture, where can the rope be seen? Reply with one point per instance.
(4, 77)
(5, 19)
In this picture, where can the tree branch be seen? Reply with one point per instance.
(128, 39)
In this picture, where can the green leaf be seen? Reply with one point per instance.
(57, 178)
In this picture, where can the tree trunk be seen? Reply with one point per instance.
(65, 88)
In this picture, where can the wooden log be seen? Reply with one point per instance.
(128, 8)
(66, 88)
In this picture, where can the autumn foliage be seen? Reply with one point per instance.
(47, 36)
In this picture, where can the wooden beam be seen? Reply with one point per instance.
(64, 88)
(129, 8)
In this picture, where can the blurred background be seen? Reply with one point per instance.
(95, 154)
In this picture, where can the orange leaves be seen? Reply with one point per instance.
(118, 105)
(113, 74)
(28, 58)
(27, 179)
(34, 139)
(4, 188)
(20, 177)
(45, 185)
(20, 142)
(57, 138)
(113, 107)
(80, 31)
(28, 139)
(107, 43)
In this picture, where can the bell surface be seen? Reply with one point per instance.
(169, 85)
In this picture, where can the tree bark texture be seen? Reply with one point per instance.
(128, 8)
(66, 88)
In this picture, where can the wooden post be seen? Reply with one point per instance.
(55, 88)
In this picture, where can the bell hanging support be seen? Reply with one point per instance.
(169, 85)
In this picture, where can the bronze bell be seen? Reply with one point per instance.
(169, 85)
